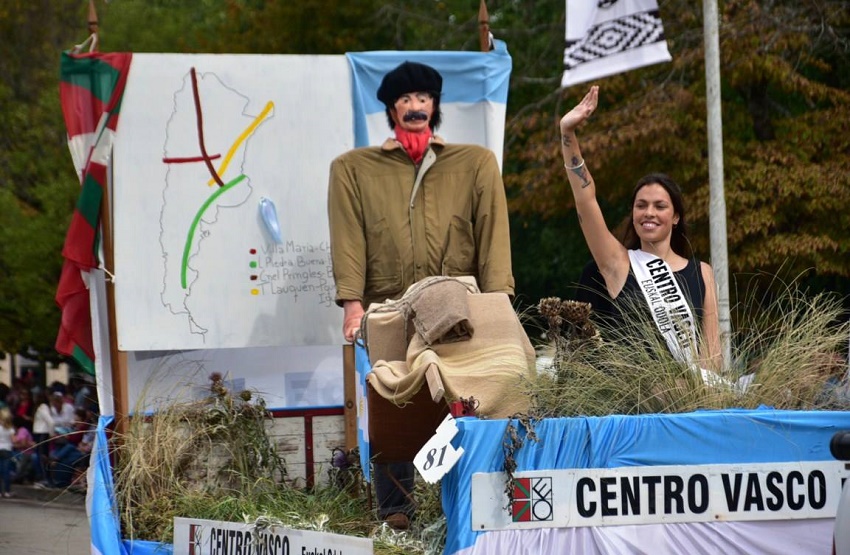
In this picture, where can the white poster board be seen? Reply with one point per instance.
(196, 266)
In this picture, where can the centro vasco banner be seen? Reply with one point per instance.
(657, 494)
(209, 537)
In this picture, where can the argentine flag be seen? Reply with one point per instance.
(473, 100)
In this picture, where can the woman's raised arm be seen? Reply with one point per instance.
(610, 255)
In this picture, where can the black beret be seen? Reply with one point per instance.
(409, 77)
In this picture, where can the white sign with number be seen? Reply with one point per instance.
(438, 456)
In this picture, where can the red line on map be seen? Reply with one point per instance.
(200, 117)
(188, 159)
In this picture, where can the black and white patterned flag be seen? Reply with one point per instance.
(605, 37)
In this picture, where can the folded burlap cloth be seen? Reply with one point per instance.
(489, 366)
(440, 311)
(436, 307)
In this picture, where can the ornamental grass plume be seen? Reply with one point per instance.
(215, 459)
(215, 446)
(792, 345)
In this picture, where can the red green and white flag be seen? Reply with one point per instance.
(90, 90)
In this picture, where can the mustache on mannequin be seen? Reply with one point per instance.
(416, 115)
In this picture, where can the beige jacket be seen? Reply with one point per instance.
(391, 225)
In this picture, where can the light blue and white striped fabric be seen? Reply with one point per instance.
(473, 101)
(100, 497)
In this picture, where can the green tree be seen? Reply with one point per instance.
(37, 183)
(785, 114)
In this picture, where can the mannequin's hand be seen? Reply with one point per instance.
(581, 111)
(352, 315)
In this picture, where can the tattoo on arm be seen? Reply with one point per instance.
(565, 141)
(581, 173)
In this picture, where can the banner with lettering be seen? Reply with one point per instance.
(194, 536)
(733, 482)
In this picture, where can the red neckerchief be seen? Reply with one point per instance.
(414, 144)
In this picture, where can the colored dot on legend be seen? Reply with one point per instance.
(255, 291)
(253, 251)
(254, 278)
(253, 264)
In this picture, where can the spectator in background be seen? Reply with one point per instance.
(42, 430)
(7, 432)
(80, 390)
(65, 462)
(4, 395)
(82, 426)
(28, 377)
(57, 386)
(62, 412)
(85, 434)
(23, 405)
(24, 455)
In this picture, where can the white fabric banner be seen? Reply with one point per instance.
(808, 537)
(606, 37)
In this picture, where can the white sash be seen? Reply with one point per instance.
(667, 303)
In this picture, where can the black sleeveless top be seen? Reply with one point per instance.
(611, 312)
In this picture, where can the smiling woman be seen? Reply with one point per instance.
(654, 262)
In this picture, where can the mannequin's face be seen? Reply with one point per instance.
(413, 111)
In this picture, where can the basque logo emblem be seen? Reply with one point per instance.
(532, 500)
(195, 535)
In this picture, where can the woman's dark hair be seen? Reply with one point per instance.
(679, 237)
(436, 119)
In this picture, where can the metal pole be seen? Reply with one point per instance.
(717, 202)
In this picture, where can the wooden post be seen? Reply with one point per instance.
(118, 371)
(484, 27)
(349, 385)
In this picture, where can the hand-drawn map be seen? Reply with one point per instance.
(220, 179)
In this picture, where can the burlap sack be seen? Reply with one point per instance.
(387, 327)
(490, 366)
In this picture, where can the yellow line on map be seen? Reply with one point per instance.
(245, 134)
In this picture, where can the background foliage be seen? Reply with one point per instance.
(785, 79)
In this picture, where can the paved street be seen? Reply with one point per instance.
(32, 526)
